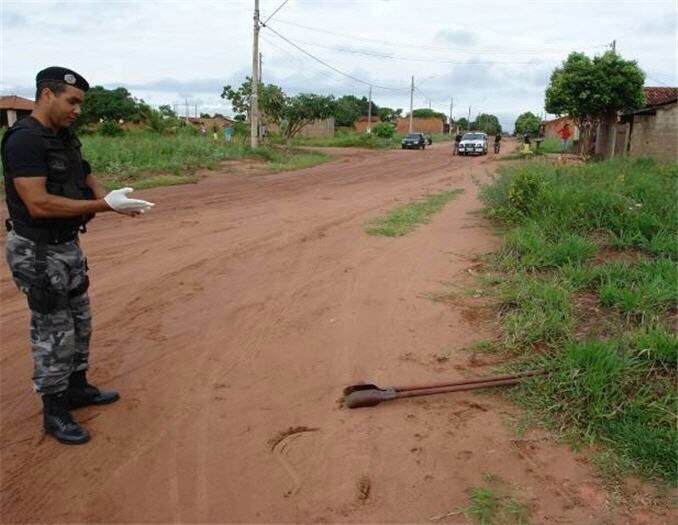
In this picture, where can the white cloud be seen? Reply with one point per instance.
(495, 56)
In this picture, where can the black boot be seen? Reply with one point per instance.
(81, 394)
(59, 422)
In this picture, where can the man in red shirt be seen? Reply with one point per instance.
(565, 135)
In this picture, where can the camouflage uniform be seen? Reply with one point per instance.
(59, 337)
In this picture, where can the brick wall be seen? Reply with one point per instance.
(317, 128)
(423, 125)
(656, 135)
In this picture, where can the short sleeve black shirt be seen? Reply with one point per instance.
(25, 155)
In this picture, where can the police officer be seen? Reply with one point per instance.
(51, 194)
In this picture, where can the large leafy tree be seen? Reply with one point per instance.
(487, 123)
(389, 114)
(593, 90)
(462, 123)
(427, 113)
(527, 122)
(112, 104)
(348, 108)
(304, 109)
(270, 98)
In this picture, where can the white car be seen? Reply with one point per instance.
(473, 143)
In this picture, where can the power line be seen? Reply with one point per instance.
(274, 12)
(332, 67)
(540, 51)
(299, 62)
(425, 60)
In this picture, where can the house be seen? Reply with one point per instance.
(211, 122)
(550, 128)
(431, 125)
(13, 108)
(653, 129)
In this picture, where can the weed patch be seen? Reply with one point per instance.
(404, 219)
(588, 288)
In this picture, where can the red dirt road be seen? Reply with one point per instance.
(231, 317)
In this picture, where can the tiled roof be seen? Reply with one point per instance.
(657, 96)
(15, 102)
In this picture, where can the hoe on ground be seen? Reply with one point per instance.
(369, 395)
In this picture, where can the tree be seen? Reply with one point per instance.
(347, 109)
(527, 122)
(487, 123)
(271, 100)
(304, 109)
(101, 103)
(167, 111)
(383, 130)
(591, 91)
(427, 113)
(462, 123)
(389, 114)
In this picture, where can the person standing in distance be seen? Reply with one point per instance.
(51, 194)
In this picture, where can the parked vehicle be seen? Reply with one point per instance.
(473, 143)
(414, 141)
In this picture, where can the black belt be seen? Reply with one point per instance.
(41, 235)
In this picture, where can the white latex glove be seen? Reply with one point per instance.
(118, 200)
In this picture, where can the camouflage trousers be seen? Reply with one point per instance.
(61, 321)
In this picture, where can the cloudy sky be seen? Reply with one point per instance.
(494, 56)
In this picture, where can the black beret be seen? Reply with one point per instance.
(64, 75)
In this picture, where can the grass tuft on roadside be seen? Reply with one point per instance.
(143, 159)
(404, 219)
(587, 283)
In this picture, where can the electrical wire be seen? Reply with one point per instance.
(297, 61)
(387, 88)
(408, 45)
(274, 12)
(424, 60)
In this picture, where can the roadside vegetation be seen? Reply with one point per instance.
(404, 219)
(587, 285)
(144, 159)
(493, 503)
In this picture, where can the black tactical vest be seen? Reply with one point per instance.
(66, 176)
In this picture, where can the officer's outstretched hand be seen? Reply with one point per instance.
(118, 201)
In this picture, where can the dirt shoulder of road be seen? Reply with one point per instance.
(231, 317)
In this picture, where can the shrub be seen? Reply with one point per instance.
(383, 130)
(110, 128)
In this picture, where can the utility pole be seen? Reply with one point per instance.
(369, 112)
(468, 121)
(186, 102)
(614, 46)
(261, 61)
(196, 111)
(411, 103)
(254, 109)
(451, 108)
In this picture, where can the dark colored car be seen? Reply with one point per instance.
(414, 141)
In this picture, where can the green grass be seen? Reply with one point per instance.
(487, 506)
(143, 159)
(404, 219)
(350, 140)
(605, 232)
(535, 310)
